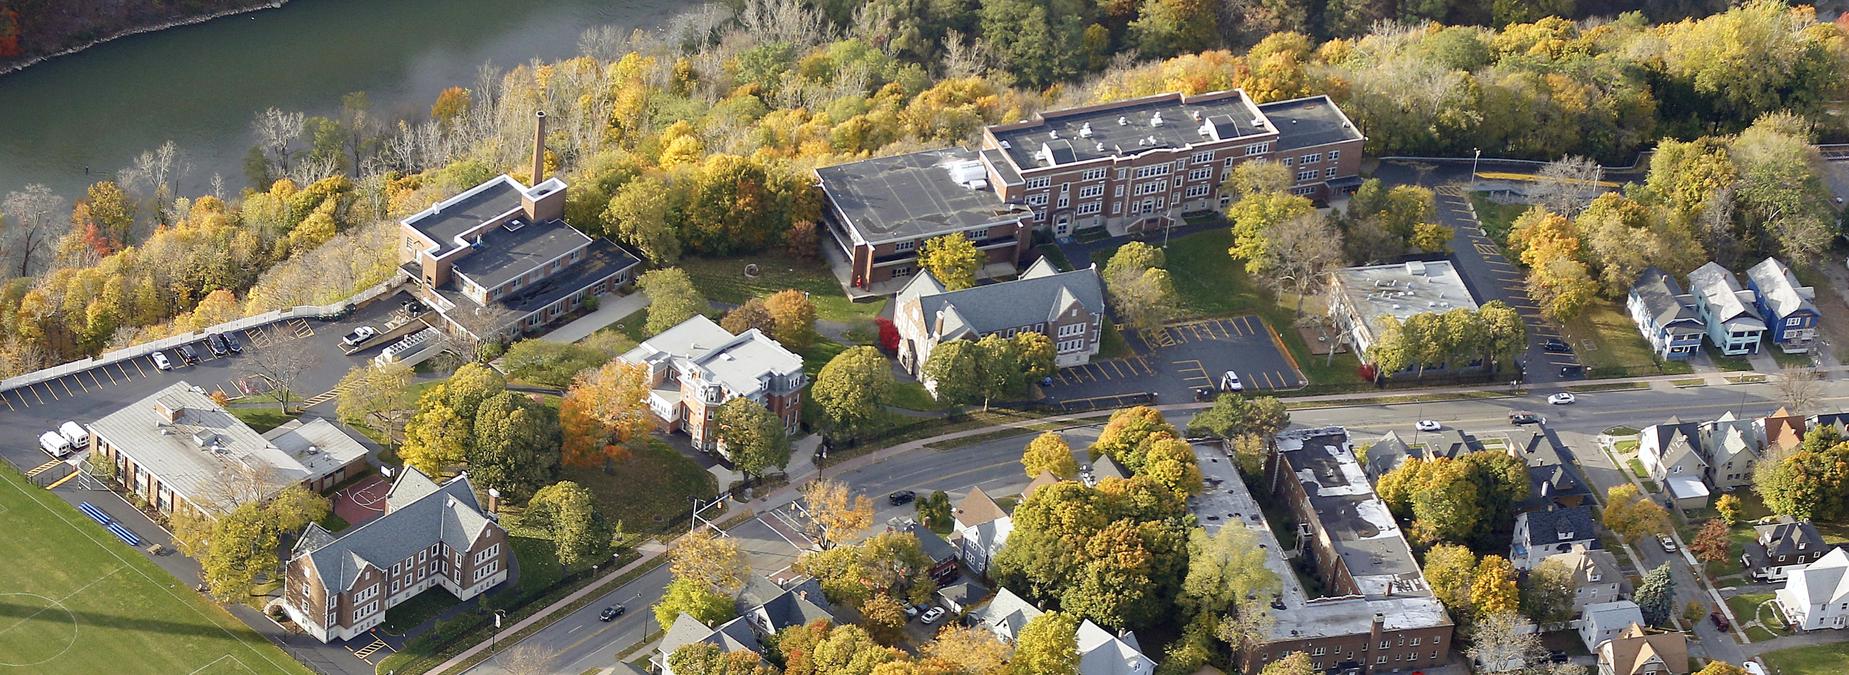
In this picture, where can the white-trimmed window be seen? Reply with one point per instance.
(1313, 158)
(1306, 174)
(1157, 170)
(1037, 200)
(1307, 189)
(1090, 191)
(1258, 149)
(1197, 191)
(366, 593)
(487, 553)
(1072, 329)
(1068, 346)
(1329, 172)
(1202, 173)
(1335, 155)
(1203, 157)
(1039, 182)
(1039, 216)
(367, 610)
(1064, 200)
(903, 246)
(487, 570)
(1287, 161)
(1118, 191)
(1090, 208)
(1150, 187)
(1094, 174)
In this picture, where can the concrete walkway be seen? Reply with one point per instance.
(609, 310)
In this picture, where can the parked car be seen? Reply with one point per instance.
(1668, 544)
(1229, 381)
(611, 612)
(54, 444)
(1720, 620)
(78, 436)
(911, 611)
(413, 307)
(932, 615)
(188, 354)
(160, 361)
(1572, 371)
(231, 343)
(901, 497)
(1556, 346)
(1562, 398)
(361, 334)
(216, 343)
(1428, 425)
(1525, 417)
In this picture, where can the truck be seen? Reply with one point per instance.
(54, 444)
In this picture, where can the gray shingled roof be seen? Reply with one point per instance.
(1723, 292)
(1124, 128)
(1784, 538)
(1561, 525)
(1779, 288)
(1663, 298)
(1036, 297)
(418, 513)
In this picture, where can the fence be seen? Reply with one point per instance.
(266, 318)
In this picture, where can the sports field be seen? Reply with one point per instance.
(75, 599)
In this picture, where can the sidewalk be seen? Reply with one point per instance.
(609, 310)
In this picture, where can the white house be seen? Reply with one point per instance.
(1818, 596)
(1101, 653)
(1603, 621)
(982, 528)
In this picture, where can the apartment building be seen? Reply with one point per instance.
(696, 366)
(1067, 307)
(1375, 612)
(1126, 166)
(178, 449)
(499, 260)
(431, 536)
(1360, 297)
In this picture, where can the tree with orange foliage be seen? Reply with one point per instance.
(603, 408)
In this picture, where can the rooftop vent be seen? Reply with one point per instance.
(1054, 134)
(1258, 122)
(1156, 119)
(1085, 130)
(1415, 268)
(1197, 115)
(511, 225)
(1121, 120)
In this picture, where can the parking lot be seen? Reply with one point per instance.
(84, 396)
(1171, 362)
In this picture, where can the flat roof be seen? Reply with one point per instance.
(602, 260)
(451, 217)
(1402, 290)
(1126, 128)
(1356, 521)
(1309, 121)
(504, 254)
(914, 195)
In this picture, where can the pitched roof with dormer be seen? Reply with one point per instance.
(1728, 437)
(1823, 582)
(977, 508)
(1007, 614)
(1779, 289)
(1782, 430)
(1636, 651)
(1103, 653)
(1590, 566)
(1663, 299)
(418, 512)
(1554, 529)
(1728, 302)
(1041, 295)
(1676, 441)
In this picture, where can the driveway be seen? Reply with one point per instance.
(1173, 361)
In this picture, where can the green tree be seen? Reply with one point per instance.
(952, 259)
(752, 436)
(1253, 217)
(1224, 568)
(1022, 39)
(241, 551)
(792, 316)
(704, 658)
(1234, 415)
(551, 363)
(438, 436)
(645, 216)
(1140, 291)
(955, 371)
(516, 445)
(1049, 452)
(1656, 596)
(687, 596)
(934, 512)
(378, 396)
(1547, 593)
(568, 513)
(1125, 435)
(853, 389)
(1260, 176)
(1048, 645)
(1168, 27)
(747, 316)
(672, 298)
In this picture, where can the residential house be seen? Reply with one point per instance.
(771, 608)
(696, 366)
(1788, 308)
(1005, 615)
(1603, 621)
(1125, 166)
(1781, 430)
(1816, 596)
(962, 596)
(982, 527)
(1104, 653)
(1105, 467)
(1375, 613)
(1539, 534)
(732, 636)
(1665, 315)
(1726, 309)
(178, 449)
(1597, 579)
(1838, 421)
(1778, 548)
(432, 535)
(1385, 455)
(1671, 453)
(1731, 447)
(1552, 482)
(943, 555)
(499, 260)
(1639, 652)
(1360, 297)
(1067, 307)
(1044, 479)
(1448, 444)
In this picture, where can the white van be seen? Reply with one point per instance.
(54, 444)
(78, 436)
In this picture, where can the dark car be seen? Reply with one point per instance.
(1557, 656)
(188, 354)
(231, 343)
(611, 612)
(1720, 620)
(413, 307)
(1524, 417)
(1556, 346)
(216, 343)
(901, 497)
(1572, 371)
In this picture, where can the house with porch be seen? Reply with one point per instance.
(1540, 534)
(1731, 447)
(1816, 596)
(1779, 547)
(1636, 651)
(1727, 310)
(1789, 309)
(1665, 315)
(1671, 453)
(696, 366)
(982, 528)
(1597, 578)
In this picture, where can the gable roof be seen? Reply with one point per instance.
(1782, 429)
(1634, 648)
(731, 636)
(1727, 437)
(964, 594)
(1590, 566)
(1450, 444)
(1044, 479)
(1823, 582)
(1007, 614)
(1663, 299)
(1676, 440)
(418, 513)
(1102, 653)
(977, 508)
(1788, 537)
(799, 605)
(933, 546)
(1040, 295)
(1386, 454)
(1723, 294)
(1779, 290)
(1605, 615)
(1559, 526)
(1107, 467)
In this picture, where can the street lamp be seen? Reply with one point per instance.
(495, 641)
(1476, 154)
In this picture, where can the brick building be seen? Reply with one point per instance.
(1126, 166)
(1067, 307)
(696, 366)
(337, 588)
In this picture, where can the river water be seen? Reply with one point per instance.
(200, 85)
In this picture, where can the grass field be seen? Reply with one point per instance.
(1812, 660)
(646, 489)
(1606, 341)
(723, 280)
(77, 600)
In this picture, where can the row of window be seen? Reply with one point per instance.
(485, 571)
(1313, 158)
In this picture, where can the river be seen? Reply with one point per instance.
(200, 85)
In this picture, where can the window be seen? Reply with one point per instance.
(1150, 187)
(394, 586)
(1090, 191)
(1313, 158)
(1157, 170)
(1335, 155)
(1415, 642)
(1064, 200)
(1039, 183)
(1384, 644)
(1203, 157)
(1287, 161)
(1795, 321)
(367, 610)
(1229, 162)
(1118, 191)
(1329, 172)
(1382, 659)
(1040, 327)
(1307, 174)
(487, 570)
(366, 593)
(421, 554)
(1090, 208)
(1303, 190)
(1178, 182)
(1202, 173)
(487, 553)
(394, 570)
(1258, 149)
(1318, 651)
(1201, 190)
(1121, 173)
(1036, 200)
(1065, 188)
(1070, 330)
(1039, 216)
(1094, 174)
(901, 272)
(1068, 346)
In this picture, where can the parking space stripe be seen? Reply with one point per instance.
(80, 384)
(7, 401)
(22, 398)
(67, 388)
(35, 392)
(1119, 369)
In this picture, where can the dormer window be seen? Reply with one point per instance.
(1592, 575)
(1800, 545)
(1566, 535)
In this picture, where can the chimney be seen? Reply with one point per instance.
(539, 148)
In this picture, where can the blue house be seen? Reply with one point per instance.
(1665, 315)
(1789, 312)
(1734, 324)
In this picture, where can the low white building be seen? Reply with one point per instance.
(1817, 596)
(1360, 297)
(1605, 620)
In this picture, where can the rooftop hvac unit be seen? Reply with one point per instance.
(1121, 120)
(1085, 130)
(1156, 119)
(513, 225)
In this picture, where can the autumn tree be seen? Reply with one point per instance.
(1502, 643)
(1048, 645)
(687, 596)
(1494, 590)
(672, 298)
(1140, 290)
(1224, 568)
(884, 618)
(1713, 543)
(616, 395)
(853, 389)
(969, 650)
(1126, 432)
(1049, 452)
(713, 561)
(1547, 592)
(568, 514)
(752, 436)
(792, 316)
(1720, 668)
(952, 259)
(1730, 509)
(378, 396)
(644, 213)
(451, 103)
(1631, 516)
(1294, 663)
(838, 514)
(747, 316)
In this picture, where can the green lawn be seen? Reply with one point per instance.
(723, 280)
(1730, 363)
(78, 600)
(1496, 217)
(261, 418)
(646, 489)
(1824, 659)
(1627, 445)
(1052, 253)
(1790, 360)
(912, 396)
(1606, 341)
